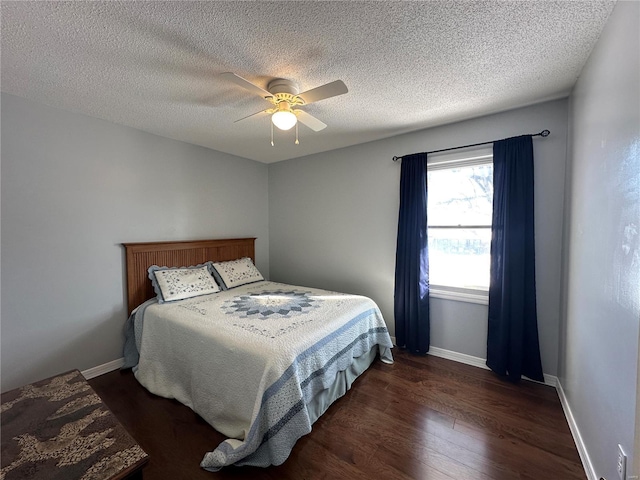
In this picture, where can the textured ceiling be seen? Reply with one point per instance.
(408, 65)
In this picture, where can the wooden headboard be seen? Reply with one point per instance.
(140, 256)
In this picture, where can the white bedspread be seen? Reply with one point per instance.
(250, 359)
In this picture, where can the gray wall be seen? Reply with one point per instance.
(601, 320)
(333, 220)
(73, 189)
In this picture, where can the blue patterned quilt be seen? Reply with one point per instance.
(249, 360)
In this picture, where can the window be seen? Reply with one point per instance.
(459, 209)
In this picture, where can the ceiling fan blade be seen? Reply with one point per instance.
(238, 80)
(310, 121)
(252, 115)
(328, 90)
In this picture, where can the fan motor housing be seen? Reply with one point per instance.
(282, 85)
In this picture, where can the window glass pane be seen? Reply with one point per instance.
(460, 196)
(459, 257)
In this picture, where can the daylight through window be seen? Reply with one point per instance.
(460, 198)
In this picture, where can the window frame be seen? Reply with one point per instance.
(447, 161)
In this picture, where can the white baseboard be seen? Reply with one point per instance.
(551, 380)
(459, 357)
(575, 432)
(481, 363)
(476, 362)
(102, 369)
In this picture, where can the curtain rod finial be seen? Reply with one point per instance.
(545, 133)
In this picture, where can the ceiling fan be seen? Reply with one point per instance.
(284, 98)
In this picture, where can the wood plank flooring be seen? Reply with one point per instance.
(421, 418)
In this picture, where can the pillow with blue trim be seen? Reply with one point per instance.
(180, 283)
(235, 273)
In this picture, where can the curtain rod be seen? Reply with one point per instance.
(543, 133)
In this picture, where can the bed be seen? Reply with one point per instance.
(260, 362)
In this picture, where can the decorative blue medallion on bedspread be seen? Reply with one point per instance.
(251, 360)
(278, 302)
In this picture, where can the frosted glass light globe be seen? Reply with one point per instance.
(284, 120)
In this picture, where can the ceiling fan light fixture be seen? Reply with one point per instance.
(284, 118)
(284, 96)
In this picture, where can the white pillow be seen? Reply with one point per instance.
(236, 272)
(171, 284)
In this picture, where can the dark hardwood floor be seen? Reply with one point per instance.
(421, 418)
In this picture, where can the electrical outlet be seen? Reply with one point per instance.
(621, 465)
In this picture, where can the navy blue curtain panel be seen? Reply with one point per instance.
(411, 294)
(513, 349)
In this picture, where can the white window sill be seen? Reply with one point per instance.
(481, 298)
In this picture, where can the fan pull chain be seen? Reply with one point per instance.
(297, 142)
(271, 133)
